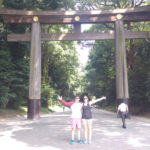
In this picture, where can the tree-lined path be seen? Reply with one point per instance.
(52, 132)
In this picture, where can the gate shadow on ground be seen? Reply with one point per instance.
(54, 132)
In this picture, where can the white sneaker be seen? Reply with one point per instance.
(89, 142)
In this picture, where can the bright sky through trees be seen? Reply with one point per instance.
(83, 50)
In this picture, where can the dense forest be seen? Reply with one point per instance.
(60, 63)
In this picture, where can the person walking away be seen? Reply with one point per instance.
(76, 107)
(123, 110)
(87, 117)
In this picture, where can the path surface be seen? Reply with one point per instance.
(52, 132)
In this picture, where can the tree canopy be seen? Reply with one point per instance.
(59, 59)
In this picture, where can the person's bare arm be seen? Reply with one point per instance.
(97, 100)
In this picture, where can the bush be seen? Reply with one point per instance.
(49, 96)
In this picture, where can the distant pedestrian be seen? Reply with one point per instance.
(122, 111)
(76, 108)
(87, 117)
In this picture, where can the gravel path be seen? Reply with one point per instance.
(53, 132)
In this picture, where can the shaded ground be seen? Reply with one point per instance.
(53, 132)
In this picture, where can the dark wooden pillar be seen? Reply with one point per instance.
(122, 91)
(35, 73)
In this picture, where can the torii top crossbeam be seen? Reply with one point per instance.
(71, 17)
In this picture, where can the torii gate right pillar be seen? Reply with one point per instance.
(122, 91)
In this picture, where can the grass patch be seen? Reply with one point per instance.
(111, 108)
(9, 113)
(45, 110)
(23, 108)
(21, 111)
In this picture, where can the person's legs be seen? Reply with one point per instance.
(73, 125)
(123, 119)
(79, 137)
(72, 134)
(85, 130)
(90, 130)
(78, 125)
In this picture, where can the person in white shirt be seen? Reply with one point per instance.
(123, 110)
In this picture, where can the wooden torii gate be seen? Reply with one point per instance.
(36, 18)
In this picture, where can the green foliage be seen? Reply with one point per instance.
(147, 83)
(100, 70)
(13, 80)
(4, 96)
(48, 96)
(137, 87)
(59, 64)
(59, 60)
(38, 4)
(19, 85)
(1, 3)
(107, 4)
(139, 76)
(5, 77)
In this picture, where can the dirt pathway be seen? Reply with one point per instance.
(53, 132)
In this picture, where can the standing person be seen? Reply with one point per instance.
(87, 117)
(123, 110)
(76, 107)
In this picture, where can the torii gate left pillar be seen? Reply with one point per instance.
(35, 73)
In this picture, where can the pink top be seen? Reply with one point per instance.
(67, 103)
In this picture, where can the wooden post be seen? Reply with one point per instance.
(35, 73)
(122, 91)
(125, 73)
